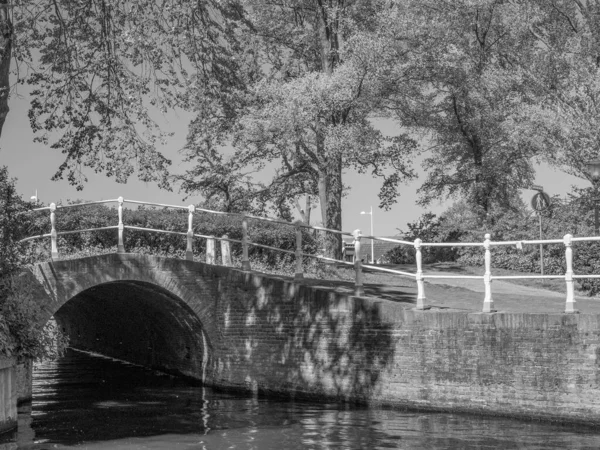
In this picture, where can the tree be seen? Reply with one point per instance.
(567, 70)
(317, 74)
(21, 333)
(468, 65)
(102, 71)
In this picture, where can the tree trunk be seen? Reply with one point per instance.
(330, 195)
(330, 175)
(6, 30)
(328, 34)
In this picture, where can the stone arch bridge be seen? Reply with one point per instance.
(220, 325)
(236, 329)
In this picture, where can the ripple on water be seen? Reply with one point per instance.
(84, 401)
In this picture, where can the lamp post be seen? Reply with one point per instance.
(594, 170)
(34, 198)
(372, 251)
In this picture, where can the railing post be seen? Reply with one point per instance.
(488, 301)
(245, 260)
(570, 304)
(419, 276)
(53, 234)
(358, 287)
(189, 252)
(120, 246)
(299, 275)
(210, 250)
(225, 251)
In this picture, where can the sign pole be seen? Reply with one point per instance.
(541, 245)
(539, 203)
(595, 208)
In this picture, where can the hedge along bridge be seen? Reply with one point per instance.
(419, 276)
(234, 328)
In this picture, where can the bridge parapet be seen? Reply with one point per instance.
(418, 275)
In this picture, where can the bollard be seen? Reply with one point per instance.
(210, 250)
(358, 288)
(419, 276)
(225, 251)
(245, 260)
(53, 234)
(299, 275)
(189, 252)
(570, 304)
(488, 302)
(120, 246)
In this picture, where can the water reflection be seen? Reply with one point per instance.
(83, 401)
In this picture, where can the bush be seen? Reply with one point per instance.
(207, 224)
(22, 334)
(573, 215)
(428, 228)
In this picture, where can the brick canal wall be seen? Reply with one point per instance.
(282, 339)
(237, 330)
(8, 394)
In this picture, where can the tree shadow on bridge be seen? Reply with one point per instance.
(302, 340)
(382, 290)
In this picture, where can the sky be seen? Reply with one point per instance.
(33, 165)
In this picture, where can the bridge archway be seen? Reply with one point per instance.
(137, 322)
(138, 308)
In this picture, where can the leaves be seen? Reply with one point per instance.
(104, 71)
(21, 332)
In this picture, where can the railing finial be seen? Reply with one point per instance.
(53, 234)
(245, 260)
(211, 255)
(488, 302)
(120, 246)
(358, 286)
(570, 304)
(419, 275)
(189, 252)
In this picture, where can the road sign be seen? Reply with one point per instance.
(537, 187)
(540, 201)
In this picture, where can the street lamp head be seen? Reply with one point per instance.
(364, 212)
(594, 169)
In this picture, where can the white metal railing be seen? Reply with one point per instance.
(419, 276)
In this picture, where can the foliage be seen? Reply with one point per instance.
(466, 61)
(572, 215)
(315, 76)
(566, 69)
(428, 228)
(21, 333)
(102, 71)
(206, 224)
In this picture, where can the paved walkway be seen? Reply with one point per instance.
(463, 294)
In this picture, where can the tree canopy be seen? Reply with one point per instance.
(293, 88)
(103, 71)
(318, 73)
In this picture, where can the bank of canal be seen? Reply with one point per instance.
(84, 401)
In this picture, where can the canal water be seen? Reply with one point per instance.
(91, 402)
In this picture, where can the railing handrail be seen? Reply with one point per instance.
(318, 228)
(419, 276)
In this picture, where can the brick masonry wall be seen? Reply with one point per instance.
(8, 394)
(271, 335)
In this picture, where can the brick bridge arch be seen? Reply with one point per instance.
(155, 311)
(229, 328)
